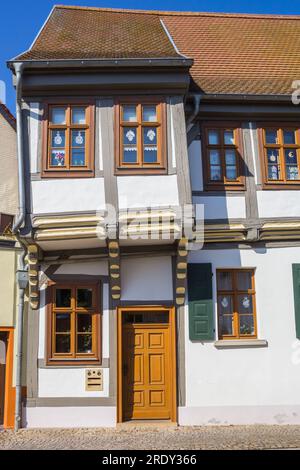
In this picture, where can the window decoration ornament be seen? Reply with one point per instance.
(59, 157)
(58, 139)
(272, 158)
(130, 135)
(246, 302)
(79, 138)
(151, 135)
(224, 302)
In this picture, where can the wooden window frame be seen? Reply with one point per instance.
(225, 185)
(74, 358)
(234, 293)
(283, 183)
(86, 171)
(140, 167)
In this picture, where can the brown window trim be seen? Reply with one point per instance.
(161, 167)
(89, 170)
(209, 185)
(234, 293)
(82, 359)
(280, 184)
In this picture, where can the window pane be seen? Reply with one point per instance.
(129, 113)
(273, 164)
(57, 157)
(62, 323)
(150, 135)
(214, 157)
(291, 164)
(146, 317)
(215, 173)
(85, 298)
(271, 136)
(58, 138)
(63, 298)
(230, 157)
(230, 160)
(84, 323)
(78, 115)
(78, 157)
(215, 168)
(62, 343)
(247, 325)
(226, 324)
(149, 113)
(78, 138)
(150, 154)
(225, 304)
(129, 155)
(58, 115)
(244, 280)
(229, 137)
(245, 304)
(273, 156)
(231, 172)
(129, 135)
(213, 137)
(225, 280)
(84, 343)
(274, 172)
(289, 137)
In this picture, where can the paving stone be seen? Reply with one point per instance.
(155, 438)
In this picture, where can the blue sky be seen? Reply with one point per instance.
(22, 19)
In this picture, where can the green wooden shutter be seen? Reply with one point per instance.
(296, 282)
(201, 319)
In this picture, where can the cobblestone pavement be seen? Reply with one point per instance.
(155, 438)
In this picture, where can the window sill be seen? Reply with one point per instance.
(241, 343)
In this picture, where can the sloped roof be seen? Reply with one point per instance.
(7, 115)
(91, 33)
(232, 53)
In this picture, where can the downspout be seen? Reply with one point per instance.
(196, 99)
(21, 212)
(16, 227)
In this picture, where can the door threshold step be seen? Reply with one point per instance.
(146, 424)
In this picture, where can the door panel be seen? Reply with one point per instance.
(146, 371)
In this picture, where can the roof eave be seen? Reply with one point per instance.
(246, 97)
(96, 63)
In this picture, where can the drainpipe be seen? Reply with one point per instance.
(196, 99)
(21, 212)
(22, 275)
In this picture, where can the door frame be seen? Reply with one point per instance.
(9, 392)
(173, 358)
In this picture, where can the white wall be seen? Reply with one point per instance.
(248, 385)
(61, 195)
(220, 207)
(147, 191)
(70, 417)
(195, 161)
(278, 203)
(147, 278)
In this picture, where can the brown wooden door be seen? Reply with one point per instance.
(147, 384)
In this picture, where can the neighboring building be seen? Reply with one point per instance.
(131, 110)
(8, 263)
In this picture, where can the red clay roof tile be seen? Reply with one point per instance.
(232, 53)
